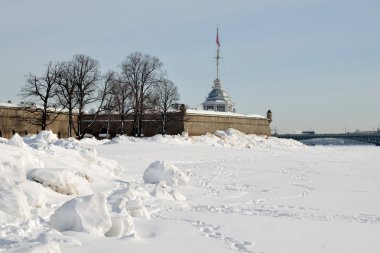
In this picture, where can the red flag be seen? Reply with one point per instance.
(217, 37)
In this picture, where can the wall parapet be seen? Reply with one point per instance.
(202, 123)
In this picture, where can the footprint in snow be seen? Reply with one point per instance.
(216, 232)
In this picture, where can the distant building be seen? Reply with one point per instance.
(218, 99)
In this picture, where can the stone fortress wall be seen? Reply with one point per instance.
(15, 119)
(198, 124)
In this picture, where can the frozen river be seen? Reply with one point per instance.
(244, 194)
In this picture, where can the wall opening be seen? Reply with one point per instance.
(13, 132)
(103, 132)
(59, 134)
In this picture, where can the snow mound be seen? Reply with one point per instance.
(122, 225)
(129, 201)
(61, 180)
(207, 139)
(42, 140)
(234, 138)
(121, 139)
(163, 191)
(93, 141)
(164, 170)
(17, 141)
(171, 139)
(14, 162)
(83, 214)
(13, 203)
(229, 138)
(69, 143)
(35, 193)
(89, 154)
(46, 136)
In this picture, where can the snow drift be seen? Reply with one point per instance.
(164, 171)
(228, 138)
(83, 214)
(61, 180)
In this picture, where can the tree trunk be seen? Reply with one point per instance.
(70, 123)
(122, 124)
(163, 123)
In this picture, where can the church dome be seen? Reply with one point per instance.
(218, 99)
(218, 95)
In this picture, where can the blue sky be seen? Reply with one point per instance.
(314, 63)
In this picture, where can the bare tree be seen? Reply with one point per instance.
(104, 100)
(81, 85)
(85, 76)
(166, 94)
(141, 73)
(66, 94)
(42, 91)
(122, 100)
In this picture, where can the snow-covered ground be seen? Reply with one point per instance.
(222, 192)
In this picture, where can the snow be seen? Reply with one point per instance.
(163, 191)
(164, 171)
(83, 214)
(128, 201)
(17, 141)
(13, 203)
(121, 226)
(220, 192)
(60, 180)
(9, 105)
(231, 114)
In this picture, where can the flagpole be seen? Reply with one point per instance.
(217, 53)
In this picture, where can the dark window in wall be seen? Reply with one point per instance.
(13, 132)
(37, 131)
(59, 134)
(103, 130)
(26, 132)
(1, 134)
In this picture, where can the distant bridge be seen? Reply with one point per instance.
(373, 138)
